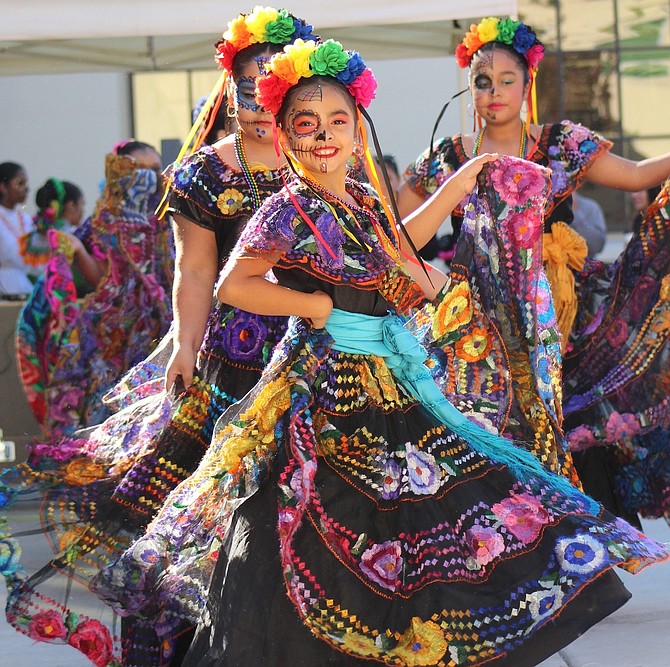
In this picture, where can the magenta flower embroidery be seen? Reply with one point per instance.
(516, 183)
(382, 563)
(617, 334)
(46, 626)
(92, 638)
(522, 515)
(485, 544)
(525, 229)
(580, 438)
(621, 426)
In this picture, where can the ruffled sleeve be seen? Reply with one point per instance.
(572, 151)
(427, 173)
(196, 191)
(271, 230)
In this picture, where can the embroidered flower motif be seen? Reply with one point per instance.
(545, 309)
(47, 625)
(484, 543)
(287, 518)
(582, 554)
(559, 178)
(229, 201)
(360, 644)
(10, 554)
(642, 296)
(333, 238)
(621, 426)
(517, 184)
(523, 515)
(580, 438)
(62, 451)
(94, 641)
(423, 643)
(70, 537)
(382, 563)
(423, 472)
(150, 556)
(474, 346)
(525, 230)
(244, 336)
(391, 480)
(587, 146)
(81, 471)
(453, 311)
(543, 604)
(64, 406)
(617, 333)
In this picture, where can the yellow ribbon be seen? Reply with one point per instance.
(563, 251)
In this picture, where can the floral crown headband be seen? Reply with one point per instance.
(304, 59)
(264, 25)
(505, 31)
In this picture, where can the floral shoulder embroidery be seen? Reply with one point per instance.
(572, 149)
(333, 246)
(425, 175)
(214, 188)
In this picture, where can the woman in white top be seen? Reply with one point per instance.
(15, 223)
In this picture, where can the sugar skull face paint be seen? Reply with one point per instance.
(246, 98)
(320, 127)
(252, 118)
(261, 62)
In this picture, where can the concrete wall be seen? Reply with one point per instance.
(62, 125)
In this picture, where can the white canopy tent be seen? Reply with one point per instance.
(68, 97)
(43, 36)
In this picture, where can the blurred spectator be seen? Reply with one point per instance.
(15, 223)
(589, 222)
(641, 200)
(60, 205)
(70, 352)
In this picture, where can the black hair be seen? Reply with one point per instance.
(652, 193)
(49, 192)
(510, 50)
(247, 55)
(132, 146)
(9, 170)
(390, 162)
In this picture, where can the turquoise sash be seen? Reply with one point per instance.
(388, 337)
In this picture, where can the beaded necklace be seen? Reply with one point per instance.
(241, 156)
(480, 136)
(323, 193)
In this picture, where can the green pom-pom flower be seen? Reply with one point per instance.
(280, 31)
(329, 59)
